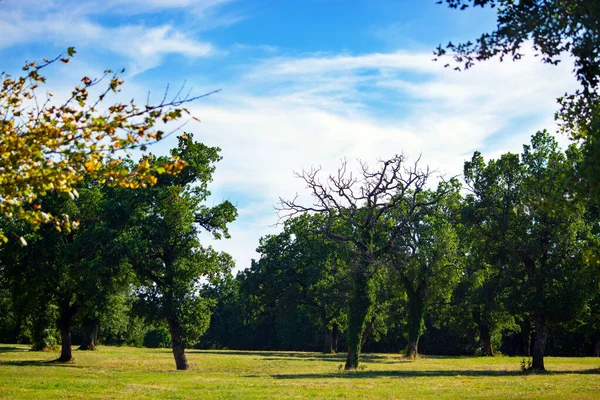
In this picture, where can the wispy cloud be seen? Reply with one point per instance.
(282, 114)
(289, 114)
(143, 45)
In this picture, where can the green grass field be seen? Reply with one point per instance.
(123, 372)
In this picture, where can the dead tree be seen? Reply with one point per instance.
(358, 213)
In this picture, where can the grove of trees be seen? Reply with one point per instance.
(97, 247)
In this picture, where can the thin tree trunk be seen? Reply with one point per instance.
(597, 348)
(90, 334)
(360, 306)
(335, 338)
(177, 344)
(328, 341)
(541, 335)
(416, 319)
(368, 330)
(66, 318)
(486, 340)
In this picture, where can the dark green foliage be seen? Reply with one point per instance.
(163, 247)
(158, 337)
(293, 297)
(356, 214)
(61, 275)
(554, 27)
(427, 257)
(9, 328)
(489, 230)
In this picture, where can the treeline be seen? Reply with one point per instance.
(126, 266)
(383, 260)
(506, 262)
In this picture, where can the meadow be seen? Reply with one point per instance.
(135, 373)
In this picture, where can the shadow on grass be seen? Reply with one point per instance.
(7, 349)
(426, 373)
(40, 363)
(282, 356)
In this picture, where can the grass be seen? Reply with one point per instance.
(122, 372)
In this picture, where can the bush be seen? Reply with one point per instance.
(159, 337)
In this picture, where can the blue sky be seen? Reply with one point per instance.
(304, 83)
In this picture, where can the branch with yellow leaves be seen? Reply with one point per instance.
(47, 147)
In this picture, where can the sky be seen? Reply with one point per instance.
(303, 84)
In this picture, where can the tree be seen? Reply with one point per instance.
(491, 229)
(427, 256)
(300, 268)
(552, 238)
(356, 213)
(554, 27)
(48, 147)
(535, 232)
(68, 270)
(164, 248)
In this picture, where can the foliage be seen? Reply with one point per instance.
(427, 257)
(299, 268)
(554, 27)
(158, 337)
(163, 247)
(76, 272)
(50, 148)
(490, 230)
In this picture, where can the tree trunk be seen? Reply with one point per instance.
(328, 341)
(526, 333)
(416, 320)
(177, 344)
(66, 317)
(368, 330)
(486, 340)
(413, 349)
(597, 348)
(361, 303)
(335, 338)
(90, 335)
(541, 334)
(96, 335)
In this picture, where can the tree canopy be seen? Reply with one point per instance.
(50, 145)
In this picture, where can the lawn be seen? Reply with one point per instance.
(123, 372)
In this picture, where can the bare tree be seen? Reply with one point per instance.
(358, 213)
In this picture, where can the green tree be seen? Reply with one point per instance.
(427, 257)
(491, 229)
(356, 213)
(49, 147)
(165, 250)
(554, 27)
(552, 238)
(68, 270)
(300, 268)
(535, 232)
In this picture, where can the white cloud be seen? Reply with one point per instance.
(143, 46)
(312, 111)
(284, 114)
(399, 60)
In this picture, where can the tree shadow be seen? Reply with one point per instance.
(274, 355)
(40, 363)
(426, 373)
(280, 355)
(8, 349)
